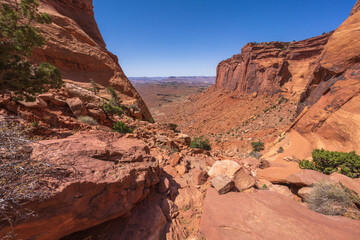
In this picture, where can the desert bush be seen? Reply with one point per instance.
(331, 198)
(121, 127)
(94, 87)
(114, 109)
(173, 127)
(257, 146)
(87, 120)
(330, 161)
(113, 106)
(280, 150)
(200, 143)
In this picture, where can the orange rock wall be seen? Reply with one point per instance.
(77, 48)
(270, 67)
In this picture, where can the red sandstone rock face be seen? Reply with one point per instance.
(267, 67)
(324, 73)
(111, 174)
(269, 215)
(77, 48)
(331, 117)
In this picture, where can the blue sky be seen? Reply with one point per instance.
(190, 37)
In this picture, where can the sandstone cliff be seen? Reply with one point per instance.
(321, 74)
(77, 48)
(271, 67)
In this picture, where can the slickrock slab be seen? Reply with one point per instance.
(270, 216)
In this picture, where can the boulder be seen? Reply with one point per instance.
(271, 216)
(224, 167)
(283, 190)
(189, 197)
(181, 169)
(243, 179)
(305, 192)
(306, 178)
(98, 114)
(277, 174)
(58, 102)
(222, 184)
(108, 175)
(76, 106)
(175, 159)
(199, 177)
(352, 184)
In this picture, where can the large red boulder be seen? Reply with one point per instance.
(109, 175)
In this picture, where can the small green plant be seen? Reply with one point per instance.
(281, 119)
(111, 90)
(87, 120)
(201, 143)
(264, 187)
(331, 161)
(257, 146)
(280, 150)
(35, 124)
(121, 127)
(94, 88)
(331, 198)
(173, 127)
(282, 99)
(113, 106)
(109, 108)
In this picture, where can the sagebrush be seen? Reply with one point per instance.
(87, 120)
(331, 198)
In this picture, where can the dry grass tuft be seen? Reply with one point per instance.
(331, 198)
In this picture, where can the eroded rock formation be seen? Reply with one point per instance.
(271, 67)
(77, 48)
(109, 174)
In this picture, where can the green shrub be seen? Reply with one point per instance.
(333, 199)
(94, 88)
(200, 143)
(18, 38)
(121, 128)
(87, 120)
(257, 146)
(280, 150)
(329, 162)
(173, 127)
(109, 108)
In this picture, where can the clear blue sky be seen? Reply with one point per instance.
(190, 37)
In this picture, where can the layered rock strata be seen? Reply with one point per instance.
(77, 48)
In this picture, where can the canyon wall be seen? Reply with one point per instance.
(271, 67)
(77, 48)
(322, 74)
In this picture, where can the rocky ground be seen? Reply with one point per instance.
(149, 184)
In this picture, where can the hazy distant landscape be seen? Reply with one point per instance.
(159, 93)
